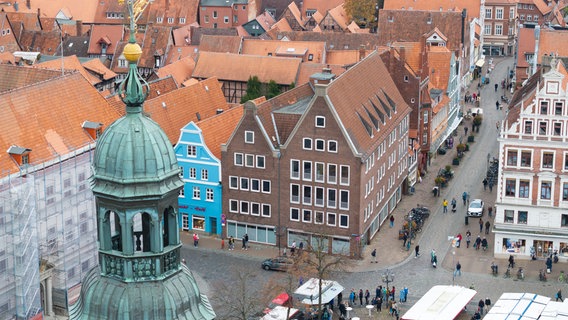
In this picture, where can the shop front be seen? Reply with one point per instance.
(523, 245)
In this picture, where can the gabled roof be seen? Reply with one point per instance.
(553, 42)
(322, 6)
(182, 35)
(542, 7)
(213, 43)
(78, 46)
(197, 32)
(95, 66)
(14, 77)
(333, 40)
(45, 42)
(24, 21)
(472, 6)
(526, 42)
(363, 91)
(345, 57)
(217, 129)
(7, 58)
(266, 20)
(339, 16)
(174, 109)
(221, 3)
(277, 6)
(412, 54)
(8, 42)
(284, 48)
(55, 127)
(281, 25)
(69, 63)
(439, 59)
(295, 11)
(179, 52)
(411, 25)
(180, 70)
(114, 33)
(353, 27)
(78, 10)
(157, 41)
(307, 69)
(234, 67)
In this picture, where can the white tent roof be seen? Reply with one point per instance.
(308, 293)
(527, 306)
(440, 303)
(279, 313)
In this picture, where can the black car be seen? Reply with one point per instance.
(278, 263)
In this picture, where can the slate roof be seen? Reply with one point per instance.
(69, 63)
(175, 109)
(281, 48)
(214, 43)
(14, 77)
(78, 46)
(180, 70)
(410, 25)
(553, 41)
(472, 6)
(114, 33)
(217, 129)
(333, 40)
(234, 67)
(55, 130)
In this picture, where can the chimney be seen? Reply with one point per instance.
(361, 52)
(167, 6)
(79, 25)
(29, 4)
(325, 77)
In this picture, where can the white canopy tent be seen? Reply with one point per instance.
(308, 293)
(527, 306)
(279, 313)
(440, 303)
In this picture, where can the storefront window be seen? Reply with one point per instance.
(198, 223)
(514, 245)
(543, 248)
(563, 249)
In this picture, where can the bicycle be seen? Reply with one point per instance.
(562, 277)
(507, 273)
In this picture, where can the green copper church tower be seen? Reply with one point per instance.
(136, 185)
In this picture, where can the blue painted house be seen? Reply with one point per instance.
(198, 153)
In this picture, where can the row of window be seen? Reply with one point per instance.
(522, 216)
(545, 108)
(317, 195)
(193, 173)
(317, 171)
(252, 208)
(170, 20)
(521, 188)
(249, 160)
(319, 217)
(196, 194)
(319, 145)
(246, 184)
(523, 159)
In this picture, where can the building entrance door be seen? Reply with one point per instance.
(213, 222)
(184, 222)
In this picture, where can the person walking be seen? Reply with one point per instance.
(416, 251)
(246, 241)
(405, 237)
(480, 225)
(511, 262)
(477, 242)
(487, 304)
(487, 226)
(484, 184)
(445, 205)
(496, 87)
(559, 295)
(231, 243)
(378, 291)
(379, 304)
(405, 294)
(490, 186)
(361, 296)
(464, 197)
(454, 205)
(367, 296)
(352, 297)
(391, 221)
(293, 248)
(374, 256)
(481, 305)
(458, 272)
(497, 104)
(467, 238)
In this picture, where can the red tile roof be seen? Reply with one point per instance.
(214, 43)
(69, 63)
(308, 69)
(472, 6)
(180, 70)
(284, 48)
(76, 10)
(526, 43)
(439, 65)
(217, 129)
(95, 66)
(553, 42)
(234, 67)
(50, 129)
(114, 33)
(322, 6)
(14, 77)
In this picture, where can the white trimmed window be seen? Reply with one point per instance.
(331, 198)
(318, 217)
(191, 151)
(332, 146)
(344, 175)
(487, 29)
(307, 143)
(331, 219)
(182, 193)
(233, 205)
(320, 145)
(320, 122)
(265, 186)
(307, 216)
(307, 195)
(266, 212)
(204, 174)
(249, 136)
(499, 13)
(319, 197)
(294, 214)
(331, 173)
(343, 221)
(196, 193)
(546, 190)
(295, 169)
(260, 163)
(498, 29)
(249, 160)
(255, 209)
(192, 173)
(244, 183)
(255, 185)
(294, 193)
(307, 170)
(233, 182)
(488, 13)
(344, 199)
(238, 159)
(548, 160)
(319, 172)
(180, 173)
(209, 194)
(244, 207)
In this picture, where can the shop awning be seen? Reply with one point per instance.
(480, 63)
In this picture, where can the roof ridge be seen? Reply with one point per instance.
(69, 74)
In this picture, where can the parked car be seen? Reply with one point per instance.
(278, 263)
(475, 208)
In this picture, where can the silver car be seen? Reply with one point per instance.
(475, 208)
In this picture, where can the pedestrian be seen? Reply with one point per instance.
(361, 296)
(405, 237)
(293, 248)
(300, 247)
(467, 238)
(352, 297)
(405, 294)
(464, 197)
(379, 303)
(385, 295)
(487, 226)
(477, 242)
(183, 261)
(222, 243)
(231, 243)
(480, 225)
(195, 240)
(300, 281)
(342, 311)
(367, 296)
(458, 240)
(496, 87)
(454, 204)
(378, 291)
(392, 293)
(246, 241)
(549, 264)
(401, 296)
(487, 304)
(465, 129)
(490, 212)
(481, 305)
(374, 256)
(559, 295)
(497, 104)
(485, 184)
(445, 205)
(511, 262)
(458, 272)
(394, 309)
(490, 186)
(391, 221)
(484, 244)
(416, 251)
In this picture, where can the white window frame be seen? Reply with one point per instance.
(234, 179)
(298, 195)
(487, 29)
(331, 214)
(191, 151)
(488, 13)
(341, 206)
(499, 16)
(269, 186)
(316, 178)
(243, 179)
(249, 160)
(306, 141)
(542, 160)
(328, 204)
(252, 188)
(209, 196)
(304, 189)
(252, 210)
(304, 220)
(332, 146)
(258, 164)
(305, 177)
(235, 202)
(319, 141)
(196, 195)
(341, 168)
(247, 207)
(263, 207)
(298, 174)
(498, 29)
(236, 157)
(334, 180)
(204, 174)
(182, 192)
(298, 214)
(192, 173)
(321, 118)
(339, 222)
(249, 136)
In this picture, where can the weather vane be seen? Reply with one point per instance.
(135, 10)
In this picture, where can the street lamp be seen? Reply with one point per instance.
(388, 277)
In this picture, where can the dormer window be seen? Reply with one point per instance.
(20, 155)
(159, 19)
(182, 20)
(93, 129)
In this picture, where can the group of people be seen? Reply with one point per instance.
(453, 204)
(383, 295)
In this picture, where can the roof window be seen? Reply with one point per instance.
(93, 129)
(20, 154)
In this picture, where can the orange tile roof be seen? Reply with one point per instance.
(322, 6)
(553, 42)
(526, 42)
(25, 21)
(97, 67)
(277, 47)
(295, 12)
(77, 10)
(472, 6)
(412, 54)
(354, 27)
(234, 67)
(266, 20)
(173, 110)
(114, 33)
(560, 67)
(180, 70)
(69, 63)
(308, 69)
(439, 65)
(50, 130)
(7, 58)
(281, 25)
(179, 52)
(14, 77)
(215, 43)
(217, 129)
(344, 57)
(158, 87)
(318, 17)
(45, 42)
(339, 16)
(542, 7)
(182, 35)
